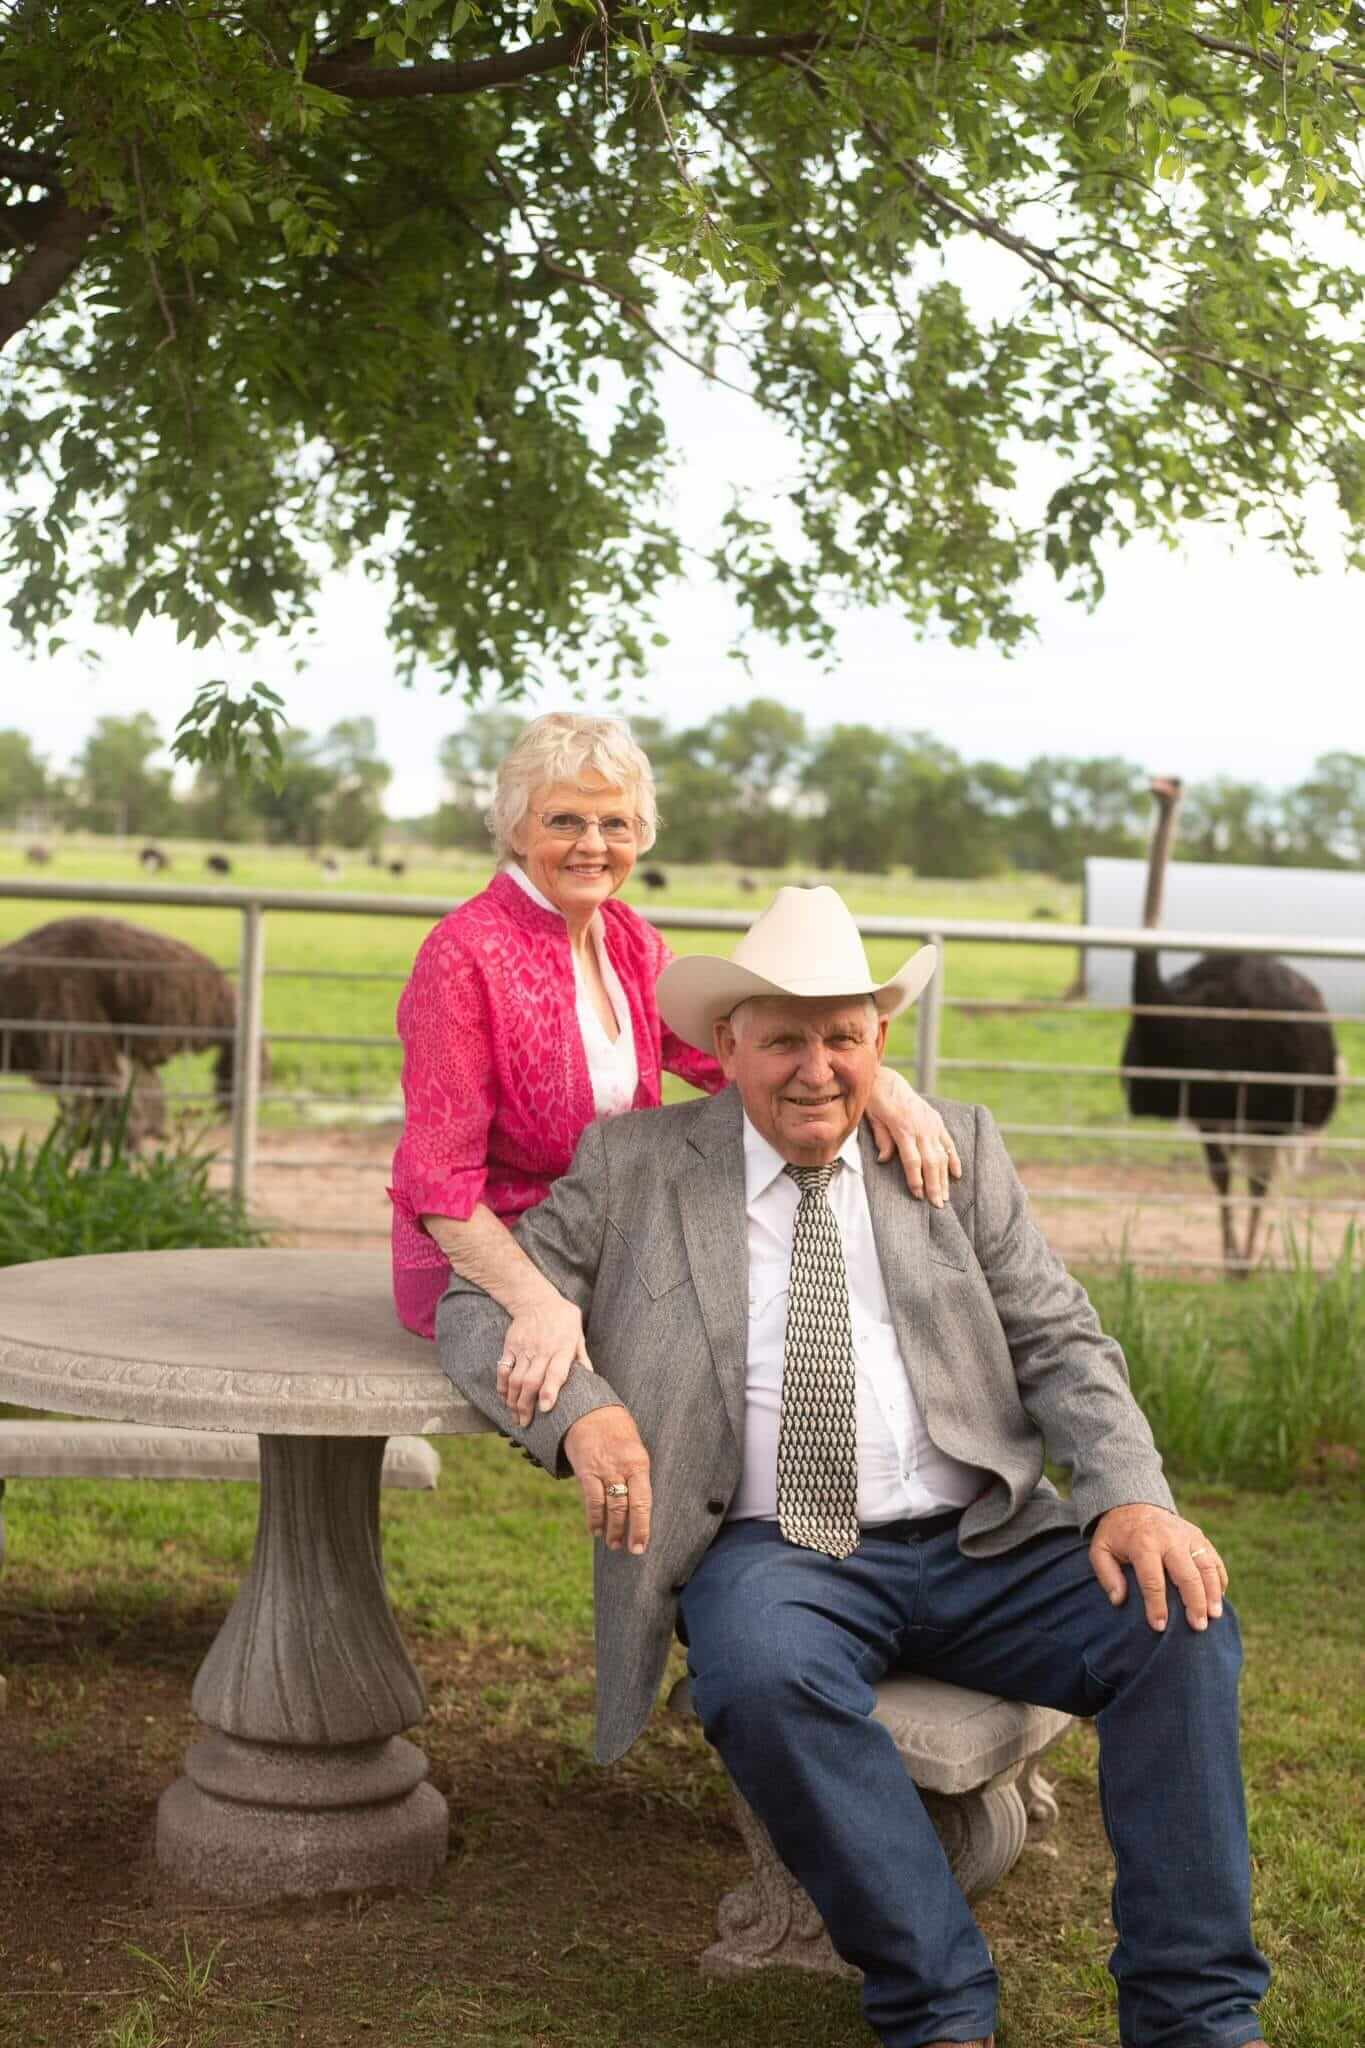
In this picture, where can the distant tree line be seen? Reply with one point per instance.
(329, 791)
(755, 787)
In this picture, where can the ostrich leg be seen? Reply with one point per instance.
(1259, 1177)
(1220, 1174)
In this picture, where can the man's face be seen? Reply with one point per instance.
(804, 1067)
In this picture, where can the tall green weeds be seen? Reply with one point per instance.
(1259, 1387)
(58, 1200)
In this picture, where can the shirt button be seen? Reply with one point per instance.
(715, 1507)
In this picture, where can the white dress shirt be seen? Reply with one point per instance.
(613, 1068)
(900, 1473)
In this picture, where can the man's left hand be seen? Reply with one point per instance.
(1159, 1546)
(904, 1122)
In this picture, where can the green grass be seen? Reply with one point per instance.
(547, 1928)
(298, 943)
(1261, 1384)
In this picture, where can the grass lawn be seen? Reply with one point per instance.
(576, 1901)
(364, 1079)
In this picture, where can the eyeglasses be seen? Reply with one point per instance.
(616, 829)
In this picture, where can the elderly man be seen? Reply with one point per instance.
(815, 1444)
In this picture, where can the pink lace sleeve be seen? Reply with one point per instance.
(700, 1069)
(441, 1163)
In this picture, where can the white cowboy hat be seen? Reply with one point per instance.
(804, 944)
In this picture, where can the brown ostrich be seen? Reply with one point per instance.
(1299, 1051)
(103, 972)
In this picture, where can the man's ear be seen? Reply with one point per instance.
(723, 1037)
(883, 1026)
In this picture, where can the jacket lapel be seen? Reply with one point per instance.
(900, 1227)
(715, 1229)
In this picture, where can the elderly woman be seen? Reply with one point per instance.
(530, 1011)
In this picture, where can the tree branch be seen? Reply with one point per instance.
(23, 222)
(426, 81)
(24, 167)
(718, 45)
(55, 255)
(1266, 62)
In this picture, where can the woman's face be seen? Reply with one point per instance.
(577, 871)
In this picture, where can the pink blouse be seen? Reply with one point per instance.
(495, 1077)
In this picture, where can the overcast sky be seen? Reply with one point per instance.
(1215, 660)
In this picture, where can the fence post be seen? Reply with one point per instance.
(246, 1089)
(927, 1023)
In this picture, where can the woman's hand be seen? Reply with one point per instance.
(543, 1342)
(904, 1122)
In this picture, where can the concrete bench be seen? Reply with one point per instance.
(124, 1450)
(131, 1450)
(975, 1760)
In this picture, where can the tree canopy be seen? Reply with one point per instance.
(284, 285)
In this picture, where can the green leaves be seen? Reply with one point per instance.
(424, 332)
(237, 734)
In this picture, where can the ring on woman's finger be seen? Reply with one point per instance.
(618, 1490)
(1200, 1551)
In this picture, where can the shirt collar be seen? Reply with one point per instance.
(519, 875)
(763, 1163)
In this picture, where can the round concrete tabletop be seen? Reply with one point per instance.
(286, 1343)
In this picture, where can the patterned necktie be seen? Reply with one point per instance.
(817, 1442)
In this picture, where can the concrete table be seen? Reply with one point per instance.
(302, 1783)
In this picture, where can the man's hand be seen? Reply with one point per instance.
(543, 1344)
(1159, 1546)
(904, 1122)
(605, 1451)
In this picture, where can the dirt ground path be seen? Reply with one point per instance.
(327, 1186)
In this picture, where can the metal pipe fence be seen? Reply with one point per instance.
(930, 1064)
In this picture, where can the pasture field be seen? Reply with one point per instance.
(360, 1083)
(576, 1901)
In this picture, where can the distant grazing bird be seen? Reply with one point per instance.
(1042, 910)
(218, 864)
(37, 856)
(654, 878)
(331, 866)
(153, 860)
(398, 867)
(748, 884)
(1300, 1051)
(102, 972)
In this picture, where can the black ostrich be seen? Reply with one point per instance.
(1230, 1114)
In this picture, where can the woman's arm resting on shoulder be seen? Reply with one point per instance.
(545, 1338)
(904, 1122)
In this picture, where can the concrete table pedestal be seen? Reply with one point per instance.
(303, 1782)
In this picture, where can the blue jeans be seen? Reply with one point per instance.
(784, 1648)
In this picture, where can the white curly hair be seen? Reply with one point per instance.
(562, 747)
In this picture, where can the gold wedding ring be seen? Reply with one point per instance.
(1200, 1551)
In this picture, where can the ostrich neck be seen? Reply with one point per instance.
(1158, 859)
(1148, 986)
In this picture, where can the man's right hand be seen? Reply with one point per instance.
(605, 1450)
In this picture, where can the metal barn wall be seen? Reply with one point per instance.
(1204, 897)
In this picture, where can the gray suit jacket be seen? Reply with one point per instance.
(647, 1233)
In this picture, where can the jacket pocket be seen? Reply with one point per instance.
(658, 1267)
